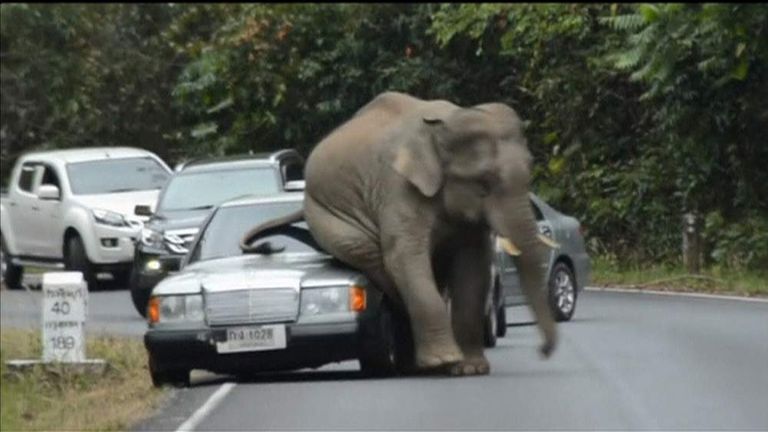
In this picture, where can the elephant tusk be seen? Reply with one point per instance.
(509, 247)
(549, 242)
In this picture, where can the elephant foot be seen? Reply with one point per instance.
(471, 366)
(437, 355)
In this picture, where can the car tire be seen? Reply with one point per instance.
(562, 292)
(379, 357)
(501, 321)
(139, 296)
(405, 352)
(76, 259)
(491, 327)
(11, 275)
(160, 376)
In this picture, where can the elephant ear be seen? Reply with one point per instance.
(416, 158)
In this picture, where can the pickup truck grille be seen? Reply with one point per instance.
(251, 306)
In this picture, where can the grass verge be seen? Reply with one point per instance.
(609, 272)
(56, 400)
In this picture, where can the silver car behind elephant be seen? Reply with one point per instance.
(568, 268)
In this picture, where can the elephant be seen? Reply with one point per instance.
(409, 191)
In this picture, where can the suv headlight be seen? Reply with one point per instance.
(176, 308)
(106, 217)
(151, 238)
(316, 301)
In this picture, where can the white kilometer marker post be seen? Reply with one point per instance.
(65, 310)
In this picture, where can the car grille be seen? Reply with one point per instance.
(179, 241)
(251, 306)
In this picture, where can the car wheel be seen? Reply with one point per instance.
(162, 376)
(501, 321)
(10, 274)
(139, 295)
(77, 260)
(379, 358)
(405, 353)
(562, 292)
(491, 326)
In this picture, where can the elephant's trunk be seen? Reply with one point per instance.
(514, 220)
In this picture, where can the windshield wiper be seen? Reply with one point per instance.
(266, 248)
(202, 207)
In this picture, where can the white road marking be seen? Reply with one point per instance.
(199, 415)
(682, 294)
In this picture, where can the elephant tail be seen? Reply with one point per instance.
(274, 226)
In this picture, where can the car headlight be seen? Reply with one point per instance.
(151, 238)
(316, 301)
(106, 217)
(176, 308)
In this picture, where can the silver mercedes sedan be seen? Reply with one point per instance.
(289, 306)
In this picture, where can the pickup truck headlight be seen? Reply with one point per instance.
(151, 238)
(316, 301)
(176, 308)
(106, 217)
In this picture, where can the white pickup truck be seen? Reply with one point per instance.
(74, 209)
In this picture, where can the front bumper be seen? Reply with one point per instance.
(307, 345)
(111, 245)
(583, 269)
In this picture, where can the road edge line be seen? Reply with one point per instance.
(680, 294)
(199, 415)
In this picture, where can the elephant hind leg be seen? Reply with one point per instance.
(357, 249)
(349, 243)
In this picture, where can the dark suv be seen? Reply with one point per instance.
(196, 188)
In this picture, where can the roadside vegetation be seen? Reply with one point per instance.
(610, 272)
(636, 113)
(53, 399)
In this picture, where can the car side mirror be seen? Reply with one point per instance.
(294, 186)
(142, 210)
(49, 192)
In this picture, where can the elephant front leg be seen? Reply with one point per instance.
(434, 343)
(469, 285)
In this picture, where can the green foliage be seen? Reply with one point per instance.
(737, 245)
(635, 114)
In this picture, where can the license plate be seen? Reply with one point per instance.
(253, 338)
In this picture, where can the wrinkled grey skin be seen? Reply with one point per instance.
(408, 191)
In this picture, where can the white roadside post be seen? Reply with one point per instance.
(65, 312)
(65, 305)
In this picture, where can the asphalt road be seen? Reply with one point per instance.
(626, 361)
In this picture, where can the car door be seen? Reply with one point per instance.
(23, 205)
(46, 216)
(507, 271)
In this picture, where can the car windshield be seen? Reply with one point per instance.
(116, 175)
(201, 190)
(222, 235)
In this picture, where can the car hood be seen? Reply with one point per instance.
(259, 272)
(123, 203)
(180, 219)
